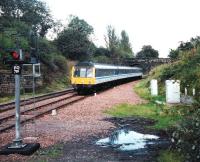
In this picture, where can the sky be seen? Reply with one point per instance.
(163, 24)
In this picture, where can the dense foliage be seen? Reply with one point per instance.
(186, 136)
(74, 41)
(186, 69)
(191, 45)
(24, 24)
(119, 47)
(173, 54)
(147, 52)
(24, 21)
(33, 13)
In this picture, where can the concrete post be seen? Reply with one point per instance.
(172, 91)
(154, 87)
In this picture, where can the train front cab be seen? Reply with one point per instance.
(82, 77)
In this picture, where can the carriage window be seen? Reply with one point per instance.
(83, 72)
(76, 72)
(89, 73)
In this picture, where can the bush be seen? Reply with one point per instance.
(186, 138)
(61, 62)
(101, 59)
(186, 70)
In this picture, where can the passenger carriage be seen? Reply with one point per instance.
(87, 75)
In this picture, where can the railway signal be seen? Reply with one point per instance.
(15, 55)
(16, 59)
(17, 146)
(20, 57)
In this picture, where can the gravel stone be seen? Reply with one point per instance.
(74, 122)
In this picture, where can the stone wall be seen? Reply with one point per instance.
(7, 82)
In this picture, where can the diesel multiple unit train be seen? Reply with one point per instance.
(88, 75)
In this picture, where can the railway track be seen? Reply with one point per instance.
(33, 110)
(11, 105)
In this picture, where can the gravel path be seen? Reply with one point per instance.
(82, 119)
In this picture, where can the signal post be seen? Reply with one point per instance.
(17, 146)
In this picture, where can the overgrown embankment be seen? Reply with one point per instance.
(165, 117)
(186, 135)
(183, 119)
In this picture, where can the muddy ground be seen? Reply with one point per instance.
(85, 150)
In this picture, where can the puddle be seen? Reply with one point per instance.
(128, 140)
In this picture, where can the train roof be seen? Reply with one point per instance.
(105, 66)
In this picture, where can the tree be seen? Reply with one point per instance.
(33, 12)
(147, 52)
(80, 26)
(74, 41)
(193, 43)
(119, 48)
(184, 46)
(112, 42)
(101, 55)
(24, 24)
(101, 51)
(173, 54)
(125, 45)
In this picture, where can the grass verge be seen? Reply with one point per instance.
(149, 110)
(165, 116)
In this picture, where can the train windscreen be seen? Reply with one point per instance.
(83, 72)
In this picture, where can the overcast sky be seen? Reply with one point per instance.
(160, 23)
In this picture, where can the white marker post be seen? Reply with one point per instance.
(186, 92)
(172, 91)
(154, 87)
(193, 92)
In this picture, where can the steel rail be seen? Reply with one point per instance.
(11, 105)
(40, 111)
(12, 114)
